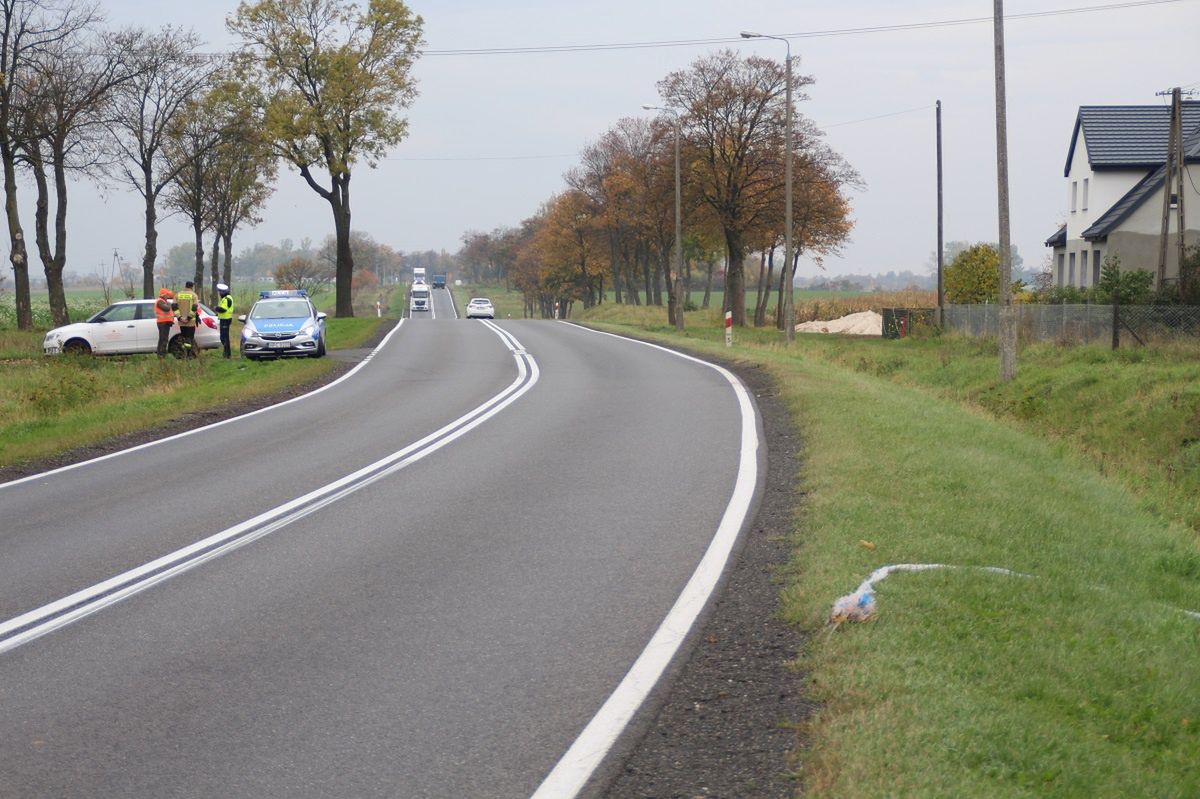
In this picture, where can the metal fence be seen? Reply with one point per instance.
(1081, 324)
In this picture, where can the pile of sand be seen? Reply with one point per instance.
(866, 323)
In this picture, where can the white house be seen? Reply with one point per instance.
(1115, 173)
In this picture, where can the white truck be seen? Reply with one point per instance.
(418, 274)
(418, 297)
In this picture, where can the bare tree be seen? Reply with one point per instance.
(26, 27)
(188, 154)
(243, 168)
(62, 107)
(167, 73)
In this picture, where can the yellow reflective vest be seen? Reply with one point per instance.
(186, 310)
(225, 307)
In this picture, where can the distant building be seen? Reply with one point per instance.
(1115, 171)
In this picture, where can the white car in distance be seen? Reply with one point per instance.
(481, 308)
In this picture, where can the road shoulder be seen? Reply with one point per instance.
(725, 725)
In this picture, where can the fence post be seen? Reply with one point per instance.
(1116, 333)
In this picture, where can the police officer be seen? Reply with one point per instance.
(225, 315)
(187, 311)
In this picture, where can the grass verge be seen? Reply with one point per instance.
(51, 405)
(1077, 681)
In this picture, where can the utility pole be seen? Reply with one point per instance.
(941, 310)
(1173, 179)
(1008, 327)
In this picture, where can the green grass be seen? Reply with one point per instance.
(1079, 682)
(508, 302)
(50, 405)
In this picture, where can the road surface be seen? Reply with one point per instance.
(421, 581)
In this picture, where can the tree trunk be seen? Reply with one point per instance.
(339, 201)
(227, 272)
(708, 286)
(735, 278)
(214, 269)
(18, 255)
(41, 237)
(615, 263)
(151, 254)
(198, 233)
(759, 300)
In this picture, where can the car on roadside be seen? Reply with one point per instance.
(480, 308)
(283, 323)
(125, 328)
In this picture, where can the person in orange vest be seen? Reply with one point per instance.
(187, 311)
(164, 315)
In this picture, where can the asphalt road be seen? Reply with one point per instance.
(443, 622)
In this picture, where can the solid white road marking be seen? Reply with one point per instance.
(196, 430)
(581, 760)
(52, 616)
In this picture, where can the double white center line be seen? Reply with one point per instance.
(69, 609)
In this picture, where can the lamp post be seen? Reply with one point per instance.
(679, 302)
(789, 322)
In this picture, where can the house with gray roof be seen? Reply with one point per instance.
(1115, 171)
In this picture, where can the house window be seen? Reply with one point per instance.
(1071, 270)
(1083, 270)
(1085, 194)
(1061, 257)
(1074, 195)
(1095, 267)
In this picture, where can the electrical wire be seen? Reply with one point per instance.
(796, 35)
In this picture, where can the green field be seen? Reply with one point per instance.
(1076, 681)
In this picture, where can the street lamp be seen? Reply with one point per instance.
(679, 302)
(789, 321)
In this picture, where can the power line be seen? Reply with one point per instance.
(577, 48)
(878, 116)
(487, 157)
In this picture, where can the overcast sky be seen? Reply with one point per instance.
(491, 135)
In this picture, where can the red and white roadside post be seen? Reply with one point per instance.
(378, 308)
(556, 309)
(729, 328)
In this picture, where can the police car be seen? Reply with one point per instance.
(282, 323)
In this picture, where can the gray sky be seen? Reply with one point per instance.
(491, 135)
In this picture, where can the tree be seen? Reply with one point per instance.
(1124, 288)
(973, 276)
(188, 154)
(167, 74)
(64, 101)
(301, 273)
(328, 81)
(26, 28)
(734, 125)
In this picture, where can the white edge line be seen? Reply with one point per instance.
(575, 768)
(528, 375)
(195, 430)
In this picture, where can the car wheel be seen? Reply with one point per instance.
(77, 346)
(175, 346)
(321, 347)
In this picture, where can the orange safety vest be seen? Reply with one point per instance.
(163, 312)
